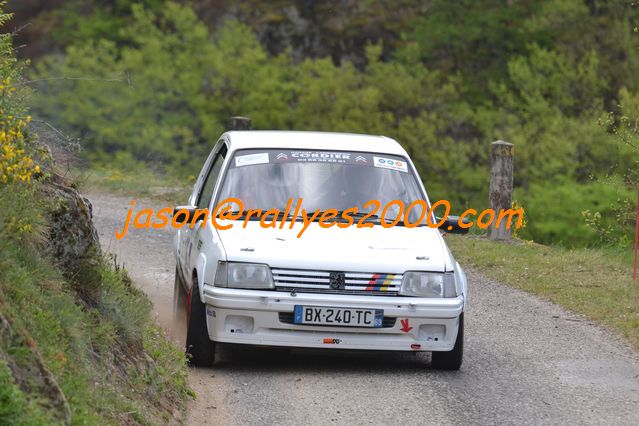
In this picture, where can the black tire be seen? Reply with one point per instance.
(451, 360)
(200, 350)
(179, 297)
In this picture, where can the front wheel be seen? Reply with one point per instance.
(200, 350)
(451, 360)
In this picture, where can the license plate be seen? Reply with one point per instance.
(347, 317)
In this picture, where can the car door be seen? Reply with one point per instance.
(202, 201)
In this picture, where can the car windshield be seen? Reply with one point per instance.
(267, 179)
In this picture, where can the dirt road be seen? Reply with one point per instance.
(526, 361)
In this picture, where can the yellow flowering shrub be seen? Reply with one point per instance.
(16, 165)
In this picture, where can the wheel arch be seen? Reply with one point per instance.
(200, 274)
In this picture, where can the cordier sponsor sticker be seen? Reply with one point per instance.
(316, 157)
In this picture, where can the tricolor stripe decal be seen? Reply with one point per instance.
(372, 282)
(387, 282)
(380, 282)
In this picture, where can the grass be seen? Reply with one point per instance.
(594, 282)
(15, 408)
(108, 359)
(136, 184)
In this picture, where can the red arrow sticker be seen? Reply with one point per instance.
(405, 328)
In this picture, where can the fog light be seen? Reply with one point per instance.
(238, 324)
(431, 332)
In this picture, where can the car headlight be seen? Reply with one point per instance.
(428, 284)
(243, 275)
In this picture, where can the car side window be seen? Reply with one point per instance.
(209, 183)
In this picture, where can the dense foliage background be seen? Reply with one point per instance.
(153, 82)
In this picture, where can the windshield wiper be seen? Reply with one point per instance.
(256, 217)
(402, 223)
(355, 216)
(370, 218)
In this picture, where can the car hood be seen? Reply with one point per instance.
(377, 249)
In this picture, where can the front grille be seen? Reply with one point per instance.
(287, 318)
(363, 283)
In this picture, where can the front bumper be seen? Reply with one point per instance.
(261, 318)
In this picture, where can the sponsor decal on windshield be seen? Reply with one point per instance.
(310, 156)
(249, 159)
(389, 163)
(316, 157)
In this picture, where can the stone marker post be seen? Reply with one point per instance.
(500, 194)
(240, 123)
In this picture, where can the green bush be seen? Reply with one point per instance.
(595, 213)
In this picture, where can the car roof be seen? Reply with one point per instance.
(251, 139)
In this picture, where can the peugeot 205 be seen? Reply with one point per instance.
(296, 279)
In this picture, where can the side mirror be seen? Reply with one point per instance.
(451, 225)
(183, 214)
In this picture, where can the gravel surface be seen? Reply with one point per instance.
(527, 361)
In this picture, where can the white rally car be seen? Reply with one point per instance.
(339, 285)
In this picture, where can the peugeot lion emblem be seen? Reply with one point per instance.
(337, 280)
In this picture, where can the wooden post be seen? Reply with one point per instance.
(240, 123)
(501, 185)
